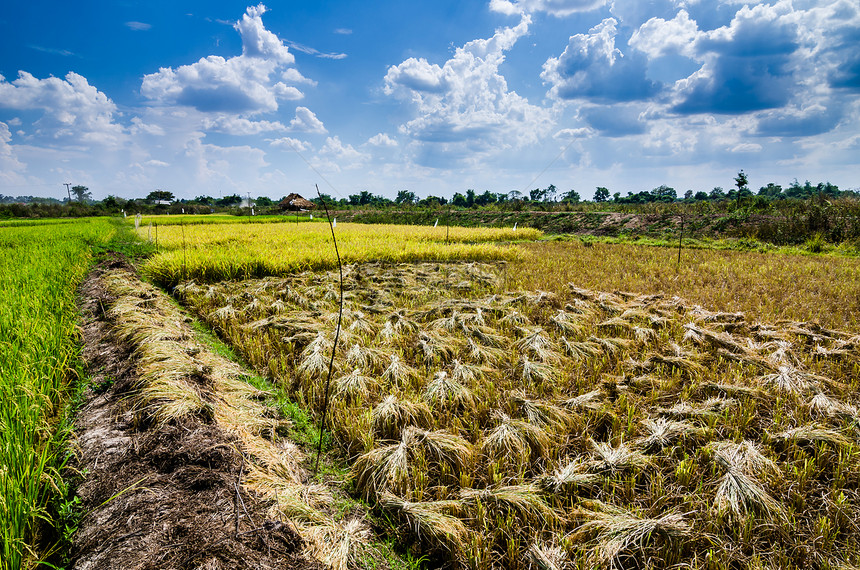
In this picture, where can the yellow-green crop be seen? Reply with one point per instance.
(40, 267)
(240, 251)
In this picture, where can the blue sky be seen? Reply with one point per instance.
(435, 97)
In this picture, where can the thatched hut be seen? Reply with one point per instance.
(296, 203)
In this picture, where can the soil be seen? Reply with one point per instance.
(160, 496)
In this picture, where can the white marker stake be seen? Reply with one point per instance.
(334, 223)
(515, 226)
(437, 223)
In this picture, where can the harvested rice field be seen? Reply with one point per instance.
(488, 400)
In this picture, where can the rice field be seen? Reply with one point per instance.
(40, 267)
(215, 252)
(496, 402)
(575, 428)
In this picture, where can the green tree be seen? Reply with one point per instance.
(571, 197)
(406, 197)
(601, 194)
(81, 193)
(486, 198)
(157, 195)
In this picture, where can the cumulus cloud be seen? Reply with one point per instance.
(335, 156)
(592, 67)
(557, 8)
(72, 109)
(381, 139)
(658, 37)
(241, 84)
(307, 122)
(8, 161)
(238, 126)
(289, 143)
(748, 64)
(616, 121)
(465, 102)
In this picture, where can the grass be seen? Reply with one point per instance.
(40, 267)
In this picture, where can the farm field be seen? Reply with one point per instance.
(496, 402)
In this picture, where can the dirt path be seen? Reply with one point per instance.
(161, 495)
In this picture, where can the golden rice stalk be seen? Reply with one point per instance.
(449, 324)
(712, 407)
(383, 469)
(609, 459)
(444, 392)
(644, 335)
(360, 324)
(563, 322)
(621, 536)
(611, 346)
(486, 336)
(515, 441)
(353, 386)
(391, 415)
(791, 379)
(546, 557)
(431, 522)
(685, 365)
(223, 314)
(170, 399)
(292, 500)
(569, 479)
(537, 344)
(539, 413)
(338, 545)
(741, 494)
(732, 390)
(580, 350)
(746, 456)
(436, 349)
(441, 448)
(662, 432)
(812, 435)
(398, 372)
(483, 354)
(515, 318)
(588, 401)
(615, 324)
(525, 500)
(822, 405)
(535, 371)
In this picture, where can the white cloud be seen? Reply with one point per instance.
(72, 109)
(9, 162)
(381, 139)
(746, 147)
(343, 31)
(557, 8)
(592, 67)
(240, 84)
(241, 127)
(138, 127)
(658, 37)
(335, 156)
(465, 104)
(307, 122)
(289, 143)
(138, 26)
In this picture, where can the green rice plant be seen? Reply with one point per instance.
(40, 268)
